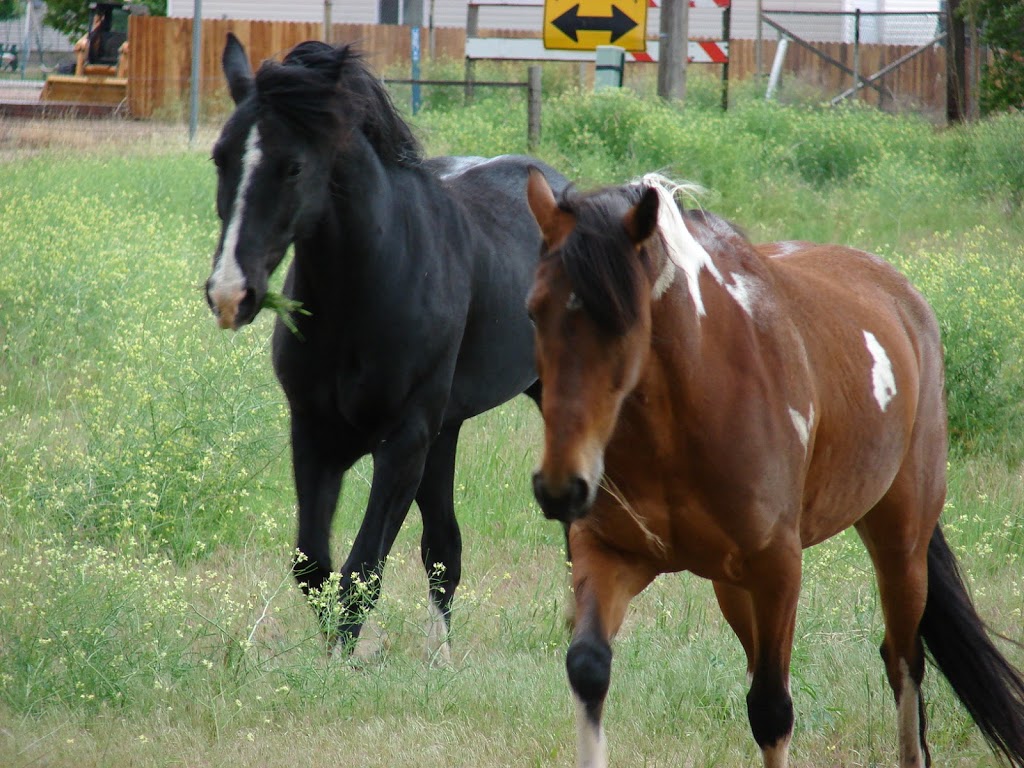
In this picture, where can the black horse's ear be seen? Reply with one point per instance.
(642, 219)
(236, 69)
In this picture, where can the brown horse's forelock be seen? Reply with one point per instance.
(599, 260)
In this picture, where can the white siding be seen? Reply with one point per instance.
(342, 11)
(703, 23)
(12, 32)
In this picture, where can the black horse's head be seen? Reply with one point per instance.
(275, 157)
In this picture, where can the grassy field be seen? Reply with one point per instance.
(147, 614)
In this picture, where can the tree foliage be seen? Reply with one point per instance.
(10, 9)
(1001, 25)
(72, 16)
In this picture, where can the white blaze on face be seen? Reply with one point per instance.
(883, 381)
(227, 283)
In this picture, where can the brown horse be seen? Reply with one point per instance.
(716, 407)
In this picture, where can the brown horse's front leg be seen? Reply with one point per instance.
(774, 592)
(604, 582)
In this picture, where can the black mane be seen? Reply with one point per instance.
(321, 92)
(595, 258)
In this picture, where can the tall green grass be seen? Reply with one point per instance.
(147, 613)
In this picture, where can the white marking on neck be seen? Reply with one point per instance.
(665, 280)
(683, 249)
(803, 425)
(590, 743)
(227, 279)
(744, 290)
(909, 720)
(882, 380)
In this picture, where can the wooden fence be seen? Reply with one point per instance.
(161, 55)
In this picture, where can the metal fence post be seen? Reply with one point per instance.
(856, 51)
(533, 105)
(196, 82)
(472, 29)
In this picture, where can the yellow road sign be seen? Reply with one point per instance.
(586, 24)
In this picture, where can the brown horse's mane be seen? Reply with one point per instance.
(596, 254)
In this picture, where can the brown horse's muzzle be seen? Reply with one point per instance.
(565, 502)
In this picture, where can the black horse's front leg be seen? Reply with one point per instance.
(398, 466)
(320, 457)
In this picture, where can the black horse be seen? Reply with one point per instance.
(412, 276)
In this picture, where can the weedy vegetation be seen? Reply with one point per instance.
(147, 612)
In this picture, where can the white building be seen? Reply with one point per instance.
(529, 15)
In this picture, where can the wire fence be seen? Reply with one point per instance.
(894, 60)
(869, 27)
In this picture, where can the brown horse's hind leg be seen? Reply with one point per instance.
(896, 535)
(603, 584)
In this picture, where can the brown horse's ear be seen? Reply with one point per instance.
(555, 224)
(641, 220)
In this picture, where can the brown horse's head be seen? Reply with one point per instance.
(590, 306)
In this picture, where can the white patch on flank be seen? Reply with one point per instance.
(882, 379)
(909, 721)
(683, 250)
(438, 652)
(590, 744)
(803, 426)
(227, 279)
(744, 290)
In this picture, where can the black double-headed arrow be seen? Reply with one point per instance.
(570, 22)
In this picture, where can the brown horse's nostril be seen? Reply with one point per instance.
(579, 492)
(567, 504)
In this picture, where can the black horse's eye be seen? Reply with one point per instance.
(294, 169)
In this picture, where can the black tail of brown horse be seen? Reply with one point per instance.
(959, 644)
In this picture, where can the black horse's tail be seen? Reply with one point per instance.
(990, 688)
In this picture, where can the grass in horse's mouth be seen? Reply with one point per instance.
(284, 307)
